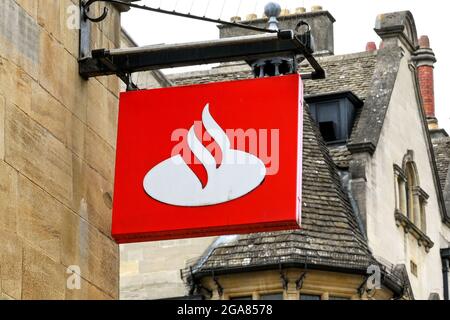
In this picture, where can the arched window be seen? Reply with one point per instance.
(410, 201)
(411, 185)
(410, 198)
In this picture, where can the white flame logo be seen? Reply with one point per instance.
(173, 182)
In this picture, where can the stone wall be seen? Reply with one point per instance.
(152, 270)
(57, 150)
(396, 139)
(147, 79)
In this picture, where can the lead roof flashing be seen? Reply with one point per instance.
(357, 102)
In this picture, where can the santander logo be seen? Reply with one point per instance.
(173, 182)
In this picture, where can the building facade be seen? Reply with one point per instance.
(57, 151)
(375, 210)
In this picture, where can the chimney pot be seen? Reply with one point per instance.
(424, 42)
(235, 19)
(316, 8)
(285, 12)
(300, 10)
(251, 16)
(425, 59)
(321, 28)
(371, 46)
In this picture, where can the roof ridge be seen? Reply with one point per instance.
(348, 56)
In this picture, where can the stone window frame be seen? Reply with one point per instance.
(256, 294)
(411, 201)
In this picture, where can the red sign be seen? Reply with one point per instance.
(213, 159)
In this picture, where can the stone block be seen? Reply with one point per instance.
(37, 154)
(39, 219)
(75, 88)
(15, 84)
(19, 34)
(99, 155)
(31, 7)
(2, 127)
(42, 277)
(8, 197)
(132, 282)
(10, 264)
(165, 290)
(133, 294)
(70, 35)
(49, 113)
(86, 292)
(95, 254)
(58, 74)
(4, 297)
(102, 112)
(49, 17)
(106, 269)
(128, 268)
(52, 58)
(89, 196)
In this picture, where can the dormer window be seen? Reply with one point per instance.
(334, 115)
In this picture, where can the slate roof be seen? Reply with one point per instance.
(344, 73)
(441, 148)
(350, 72)
(340, 155)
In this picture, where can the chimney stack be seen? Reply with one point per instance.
(320, 21)
(425, 59)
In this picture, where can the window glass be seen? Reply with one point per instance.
(334, 118)
(338, 298)
(309, 297)
(409, 190)
(273, 296)
(242, 298)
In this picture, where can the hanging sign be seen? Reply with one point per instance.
(212, 159)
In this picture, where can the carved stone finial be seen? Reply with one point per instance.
(397, 26)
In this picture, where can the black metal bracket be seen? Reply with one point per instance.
(218, 285)
(363, 287)
(284, 278)
(192, 285)
(86, 8)
(124, 62)
(300, 280)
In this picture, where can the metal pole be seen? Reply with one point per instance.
(180, 14)
(445, 270)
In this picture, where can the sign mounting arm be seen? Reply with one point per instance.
(124, 62)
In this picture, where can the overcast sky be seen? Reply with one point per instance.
(355, 20)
